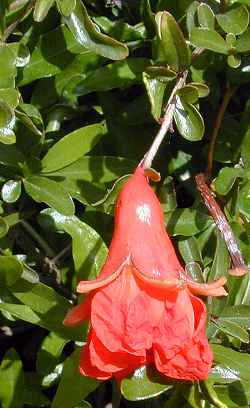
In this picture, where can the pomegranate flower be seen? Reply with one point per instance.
(142, 307)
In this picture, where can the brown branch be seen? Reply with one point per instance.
(239, 266)
(217, 124)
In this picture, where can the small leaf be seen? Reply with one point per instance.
(12, 381)
(42, 8)
(6, 114)
(155, 90)
(206, 16)
(209, 39)
(72, 146)
(163, 74)
(203, 89)
(11, 191)
(10, 270)
(189, 93)
(44, 190)
(235, 20)
(188, 120)
(172, 42)
(226, 179)
(243, 42)
(145, 383)
(85, 32)
(70, 393)
(233, 61)
(4, 227)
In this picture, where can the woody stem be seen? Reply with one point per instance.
(166, 122)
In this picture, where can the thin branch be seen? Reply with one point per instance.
(166, 122)
(61, 254)
(36, 237)
(239, 266)
(226, 98)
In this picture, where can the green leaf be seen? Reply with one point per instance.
(69, 393)
(11, 156)
(188, 120)
(187, 221)
(10, 96)
(238, 314)
(243, 42)
(66, 7)
(203, 89)
(4, 227)
(11, 191)
(44, 190)
(226, 179)
(206, 16)
(244, 202)
(43, 306)
(172, 42)
(6, 114)
(10, 270)
(235, 361)
(54, 51)
(209, 39)
(49, 353)
(155, 90)
(233, 61)
(89, 250)
(8, 69)
(41, 9)
(143, 384)
(235, 20)
(232, 395)
(99, 169)
(85, 32)
(233, 329)
(189, 93)
(72, 146)
(189, 250)
(12, 381)
(120, 74)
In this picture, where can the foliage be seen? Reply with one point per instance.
(83, 87)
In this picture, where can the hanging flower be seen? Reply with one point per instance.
(142, 308)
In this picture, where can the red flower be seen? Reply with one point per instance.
(142, 309)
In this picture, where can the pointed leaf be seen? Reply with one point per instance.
(72, 146)
(44, 190)
(42, 8)
(11, 380)
(155, 90)
(85, 32)
(66, 7)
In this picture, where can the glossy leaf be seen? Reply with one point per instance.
(72, 146)
(66, 7)
(70, 393)
(10, 96)
(189, 121)
(187, 222)
(8, 69)
(235, 20)
(172, 42)
(155, 90)
(233, 329)
(244, 202)
(4, 227)
(11, 156)
(86, 34)
(49, 353)
(209, 39)
(188, 93)
(99, 169)
(12, 381)
(143, 384)
(202, 89)
(11, 191)
(238, 314)
(88, 248)
(226, 179)
(121, 74)
(41, 9)
(44, 190)
(237, 362)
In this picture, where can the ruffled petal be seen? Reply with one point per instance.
(181, 350)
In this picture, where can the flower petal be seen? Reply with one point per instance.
(79, 313)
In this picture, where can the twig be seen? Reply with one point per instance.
(41, 242)
(239, 266)
(223, 5)
(9, 30)
(166, 122)
(60, 254)
(226, 98)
